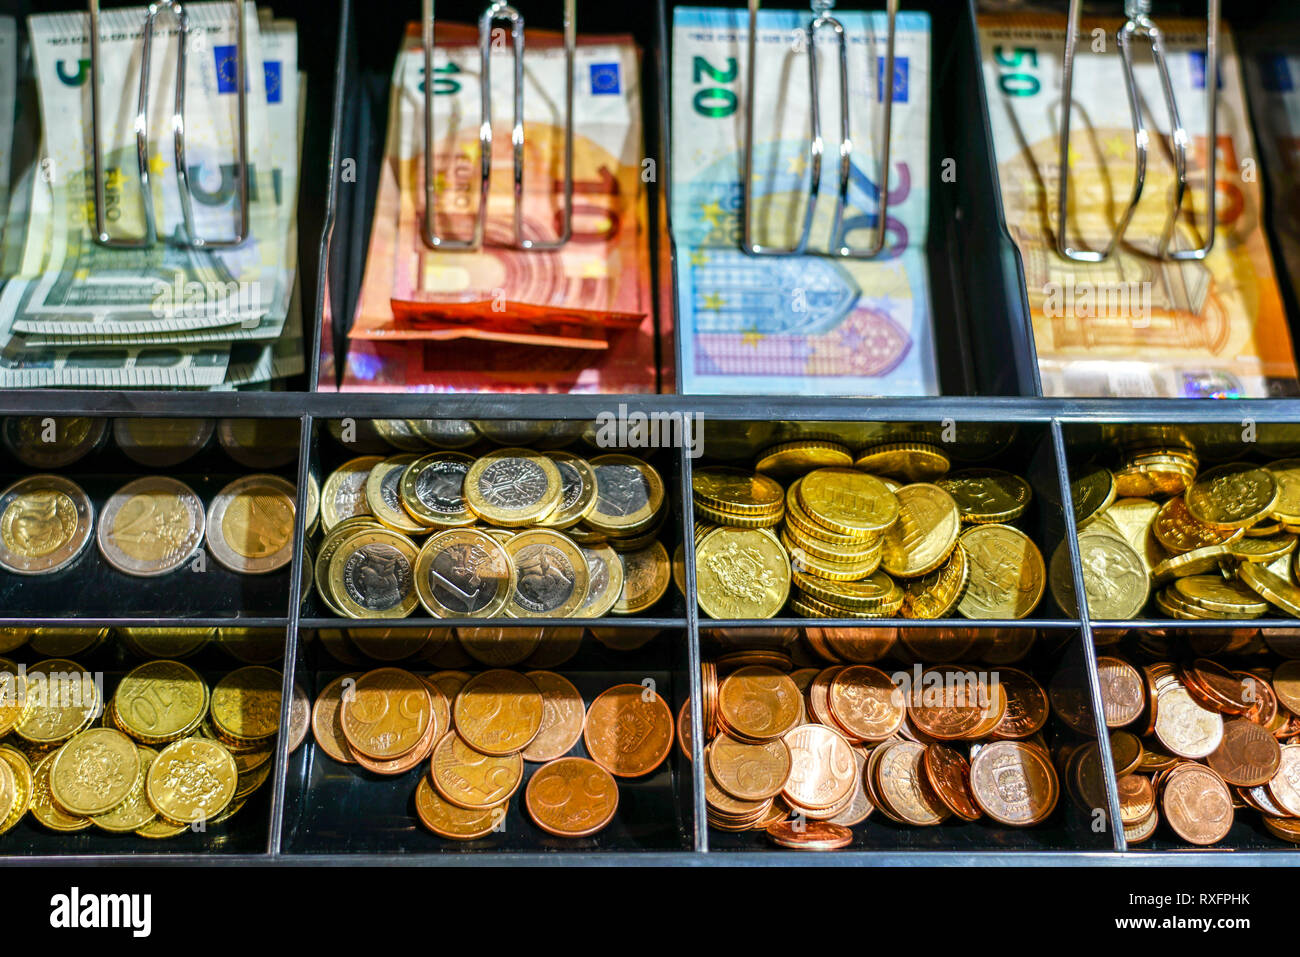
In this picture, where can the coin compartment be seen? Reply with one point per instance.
(1238, 649)
(577, 436)
(1054, 657)
(979, 331)
(1236, 440)
(201, 588)
(221, 651)
(331, 808)
(1025, 449)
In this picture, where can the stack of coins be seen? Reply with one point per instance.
(1203, 740)
(842, 542)
(788, 747)
(164, 754)
(514, 533)
(473, 736)
(1212, 544)
(149, 527)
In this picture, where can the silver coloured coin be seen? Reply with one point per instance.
(250, 524)
(45, 524)
(151, 526)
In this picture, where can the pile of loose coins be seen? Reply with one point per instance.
(888, 534)
(513, 533)
(164, 754)
(1218, 543)
(155, 524)
(807, 753)
(1194, 741)
(472, 734)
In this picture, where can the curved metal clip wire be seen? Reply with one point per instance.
(190, 240)
(1140, 26)
(498, 11)
(823, 19)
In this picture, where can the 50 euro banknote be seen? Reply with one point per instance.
(1136, 324)
(800, 323)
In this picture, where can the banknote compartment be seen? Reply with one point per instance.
(366, 65)
(109, 654)
(331, 808)
(1262, 32)
(979, 332)
(338, 441)
(1234, 439)
(91, 588)
(1024, 449)
(319, 33)
(1055, 658)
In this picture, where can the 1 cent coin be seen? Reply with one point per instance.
(1197, 804)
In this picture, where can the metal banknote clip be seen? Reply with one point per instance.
(190, 240)
(823, 19)
(499, 11)
(1138, 27)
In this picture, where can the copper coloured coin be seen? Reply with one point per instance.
(452, 822)
(400, 765)
(564, 715)
(1197, 804)
(571, 797)
(472, 780)
(750, 772)
(629, 730)
(1014, 783)
(809, 835)
(758, 703)
(949, 775)
(386, 714)
(325, 719)
(498, 712)
(1027, 705)
(1224, 689)
(1248, 755)
(950, 703)
(1122, 694)
(822, 770)
(1137, 799)
(866, 703)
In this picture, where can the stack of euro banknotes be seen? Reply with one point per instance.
(578, 318)
(75, 313)
(1139, 324)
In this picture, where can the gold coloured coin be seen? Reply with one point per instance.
(577, 491)
(741, 573)
(384, 495)
(1272, 588)
(23, 788)
(849, 502)
(159, 702)
(1176, 529)
(386, 714)
(432, 490)
(246, 704)
(987, 495)
(908, 462)
(43, 807)
(498, 712)
(344, 494)
(1114, 580)
(1232, 496)
(937, 594)
(513, 487)
(1092, 491)
(191, 781)
(8, 790)
(151, 526)
(1286, 472)
(13, 695)
(250, 524)
(1007, 576)
(629, 495)
(464, 573)
(45, 525)
(925, 533)
(790, 459)
(372, 575)
(551, 576)
(94, 772)
(732, 490)
(135, 812)
(646, 574)
(1196, 562)
(61, 698)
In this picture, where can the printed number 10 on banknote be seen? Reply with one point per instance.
(816, 323)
